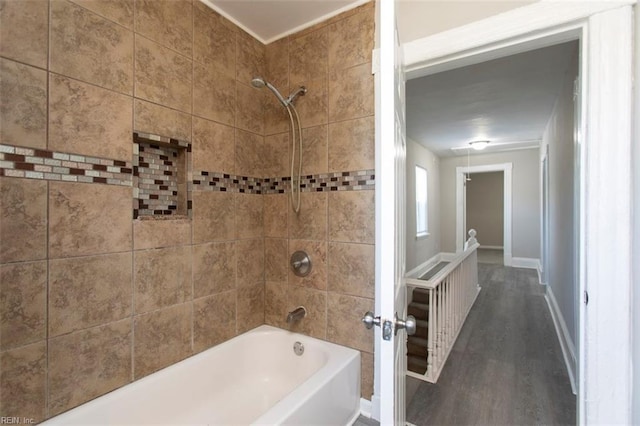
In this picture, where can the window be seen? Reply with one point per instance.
(422, 220)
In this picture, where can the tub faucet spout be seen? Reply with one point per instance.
(297, 314)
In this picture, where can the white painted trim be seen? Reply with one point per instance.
(448, 257)
(535, 25)
(306, 25)
(491, 247)
(507, 168)
(525, 262)
(365, 408)
(424, 266)
(566, 344)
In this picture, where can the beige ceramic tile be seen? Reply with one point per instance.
(276, 207)
(85, 119)
(308, 57)
(89, 291)
(276, 118)
(352, 145)
(214, 320)
(168, 22)
(351, 269)
(161, 338)
(214, 41)
(342, 313)
(87, 219)
(214, 268)
(275, 304)
(351, 40)
(352, 216)
(366, 375)
(249, 154)
(23, 111)
(315, 302)
(214, 147)
(310, 223)
(158, 120)
(120, 11)
(249, 216)
(277, 62)
(148, 234)
(250, 307)
(250, 60)
(213, 217)
(23, 303)
(23, 381)
(162, 75)
(317, 251)
(276, 156)
(249, 108)
(162, 278)
(314, 150)
(250, 262)
(351, 93)
(276, 259)
(90, 48)
(313, 106)
(214, 95)
(23, 219)
(101, 362)
(24, 31)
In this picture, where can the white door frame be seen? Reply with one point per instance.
(461, 172)
(605, 373)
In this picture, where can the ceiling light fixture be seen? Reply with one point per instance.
(479, 145)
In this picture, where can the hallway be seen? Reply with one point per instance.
(506, 367)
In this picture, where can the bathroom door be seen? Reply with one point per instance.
(390, 347)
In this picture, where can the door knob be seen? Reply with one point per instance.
(409, 324)
(369, 320)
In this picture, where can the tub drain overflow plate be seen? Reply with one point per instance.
(298, 348)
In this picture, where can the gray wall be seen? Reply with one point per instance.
(559, 136)
(526, 199)
(485, 207)
(420, 250)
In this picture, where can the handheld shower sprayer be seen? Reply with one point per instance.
(259, 83)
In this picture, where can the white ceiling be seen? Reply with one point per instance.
(507, 101)
(269, 20)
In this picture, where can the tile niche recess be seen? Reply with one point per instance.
(161, 188)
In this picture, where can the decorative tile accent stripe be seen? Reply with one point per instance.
(340, 181)
(51, 165)
(160, 176)
(223, 182)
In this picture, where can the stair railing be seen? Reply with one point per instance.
(452, 293)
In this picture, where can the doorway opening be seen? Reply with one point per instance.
(484, 212)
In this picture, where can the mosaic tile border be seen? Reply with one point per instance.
(358, 180)
(31, 163)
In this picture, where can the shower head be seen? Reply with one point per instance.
(258, 82)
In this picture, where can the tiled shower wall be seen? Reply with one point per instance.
(333, 60)
(91, 299)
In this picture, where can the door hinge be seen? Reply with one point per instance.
(586, 298)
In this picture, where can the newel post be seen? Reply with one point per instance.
(472, 239)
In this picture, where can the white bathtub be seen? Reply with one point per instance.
(255, 378)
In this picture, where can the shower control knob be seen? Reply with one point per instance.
(369, 320)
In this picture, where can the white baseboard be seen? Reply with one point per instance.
(525, 262)
(567, 345)
(491, 247)
(365, 408)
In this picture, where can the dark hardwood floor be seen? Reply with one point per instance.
(506, 367)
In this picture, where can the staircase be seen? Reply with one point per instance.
(417, 343)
